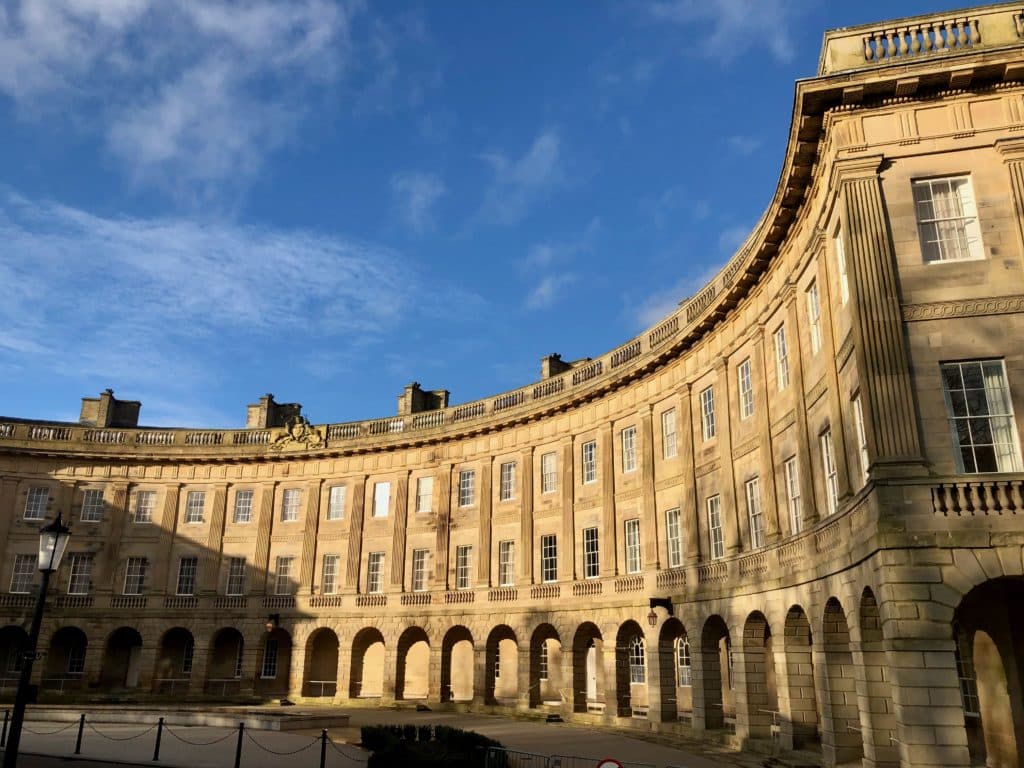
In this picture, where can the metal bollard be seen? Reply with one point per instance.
(238, 748)
(3, 736)
(159, 733)
(81, 728)
(323, 748)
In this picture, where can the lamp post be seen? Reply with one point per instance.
(53, 540)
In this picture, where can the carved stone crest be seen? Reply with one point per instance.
(298, 434)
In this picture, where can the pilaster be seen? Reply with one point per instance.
(525, 546)
(690, 510)
(483, 558)
(264, 529)
(726, 474)
(307, 565)
(1012, 151)
(208, 572)
(444, 512)
(566, 490)
(809, 515)
(648, 507)
(765, 451)
(165, 545)
(606, 476)
(400, 531)
(355, 536)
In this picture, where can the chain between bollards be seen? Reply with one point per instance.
(3, 736)
(81, 727)
(323, 748)
(238, 748)
(159, 733)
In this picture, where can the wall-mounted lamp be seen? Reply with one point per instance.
(658, 602)
(273, 621)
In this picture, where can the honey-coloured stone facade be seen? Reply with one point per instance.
(790, 515)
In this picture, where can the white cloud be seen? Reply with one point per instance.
(660, 304)
(725, 29)
(545, 292)
(188, 95)
(544, 264)
(415, 195)
(731, 238)
(167, 304)
(517, 184)
(744, 145)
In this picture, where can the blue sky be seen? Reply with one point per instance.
(201, 202)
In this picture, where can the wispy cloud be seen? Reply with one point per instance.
(188, 95)
(545, 292)
(744, 145)
(725, 29)
(415, 195)
(518, 183)
(172, 305)
(658, 305)
(547, 266)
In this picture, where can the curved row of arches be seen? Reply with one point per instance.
(766, 676)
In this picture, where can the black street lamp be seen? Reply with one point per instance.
(53, 540)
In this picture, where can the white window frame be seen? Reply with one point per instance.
(336, 498)
(755, 513)
(35, 502)
(291, 504)
(188, 656)
(23, 574)
(637, 661)
(268, 667)
(76, 659)
(507, 477)
(195, 507)
(588, 455)
(781, 358)
(242, 513)
(463, 566)
(828, 463)
(977, 410)
(467, 487)
(744, 377)
(674, 537)
(862, 439)
(791, 471)
(716, 533)
(506, 563)
(684, 662)
(329, 568)
(548, 472)
(634, 558)
(669, 441)
(381, 498)
(135, 575)
(840, 251)
(145, 505)
(549, 558)
(628, 437)
(542, 660)
(814, 316)
(92, 506)
(375, 573)
(707, 413)
(591, 553)
(425, 494)
(235, 584)
(188, 572)
(80, 573)
(419, 569)
(952, 235)
(283, 575)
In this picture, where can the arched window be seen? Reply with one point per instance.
(683, 666)
(637, 665)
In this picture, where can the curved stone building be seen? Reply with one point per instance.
(789, 515)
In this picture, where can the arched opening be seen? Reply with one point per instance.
(989, 634)
(881, 714)
(174, 662)
(502, 666)
(367, 678)
(759, 668)
(13, 641)
(412, 676)
(676, 678)
(630, 670)
(716, 668)
(273, 676)
(841, 738)
(803, 702)
(588, 669)
(224, 666)
(457, 665)
(545, 667)
(65, 661)
(121, 659)
(320, 676)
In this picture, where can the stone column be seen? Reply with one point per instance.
(165, 546)
(264, 529)
(654, 664)
(389, 682)
(444, 509)
(107, 564)
(355, 536)
(311, 525)
(606, 476)
(483, 559)
(523, 674)
(726, 475)
(810, 514)
(648, 506)
(890, 418)
(399, 532)
(765, 451)
(526, 521)
(480, 675)
(689, 504)
(209, 570)
(566, 490)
